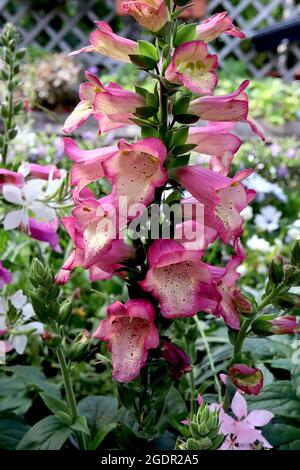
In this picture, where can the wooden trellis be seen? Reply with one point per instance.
(62, 30)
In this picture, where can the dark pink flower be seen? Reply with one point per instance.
(130, 332)
(217, 24)
(44, 171)
(248, 379)
(178, 361)
(5, 276)
(10, 177)
(270, 324)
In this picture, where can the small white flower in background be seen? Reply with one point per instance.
(260, 244)
(263, 186)
(18, 332)
(294, 230)
(247, 213)
(268, 219)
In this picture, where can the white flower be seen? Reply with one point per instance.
(29, 199)
(247, 213)
(268, 219)
(263, 186)
(294, 230)
(256, 243)
(20, 329)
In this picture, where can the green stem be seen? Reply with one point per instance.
(193, 392)
(210, 358)
(163, 105)
(9, 118)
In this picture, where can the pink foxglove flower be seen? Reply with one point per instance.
(151, 14)
(193, 67)
(217, 24)
(245, 378)
(45, 232)
(226, 108)
(179, 280)
(233, 302)
(136, 170)
(5, 276)
(10, 177)
(224, 198)
(178, 361)
(106, 42)
(130, 332)
(43, 172)
(270, 324)
(216, 140)
(240, 431)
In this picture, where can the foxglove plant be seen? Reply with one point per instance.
(131, 234)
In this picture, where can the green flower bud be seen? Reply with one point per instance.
(79, 348)
(65, 310)
(295, 254)
(53, 340)
(276, 271)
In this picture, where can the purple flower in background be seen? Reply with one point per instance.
(282, 171)
(5, 276)
(87, 135)
(275, 150)
(93, 69)
(59, 146)
(291, 153)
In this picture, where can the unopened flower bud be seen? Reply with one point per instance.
(65, 310)
(272, 325)
(288, 300)
(53, 340)
(276, 271)
(295, 254)
(79, 348)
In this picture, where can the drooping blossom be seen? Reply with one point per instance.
(19, 330)
(241, 430)
(223, 198)
(179, 280)
(5, 276)
(216, 25)
(151, 14)
(193, 67)
(10, 177)
(130, 332)
(226, 108)
(217, 141)
(106, 42)
(178, 361)
(248, 379)
(270, 324)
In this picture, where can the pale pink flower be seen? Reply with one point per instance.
(151, 14)
(217, 24)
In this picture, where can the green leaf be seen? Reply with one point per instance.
(81, 425)
(141, 91)
(48, 434)
(148, 49)
(145, 112)
(149, 132)
(279, 398)
(185, 33)
(176, 409)
(180, 136)
(186, 118)
(11, 433)
(98, 410)
(181, 105)
(102, 432)
(283, 435)
(33, 377)
(295, 372)
(13, 395)
(183, 160)
(54, 404)
(143, 62)
(152, 100)
(182, 149)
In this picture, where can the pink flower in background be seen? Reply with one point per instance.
(5, 276)
(45, 232)
(179, 280)
(224, 198)
(245, 378)
(226, 108)
(106, 42)
(178, 361)
(136, 170)
(216, 140)
(193, 67)
(130, 332)
(43, 172)
(151, 14)
(217, 24)
(240, 430)
(10, 177)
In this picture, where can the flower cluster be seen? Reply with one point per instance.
(180, 283)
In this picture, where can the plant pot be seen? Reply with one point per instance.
(196, 11)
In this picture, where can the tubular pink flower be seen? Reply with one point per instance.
(136, 170)
(179, 280)
(224, 198)
(248, 379)
(286, 324)
(112, 261)
(193, 67)
(10, 177)
(151, 14)
(130, 332)
(106, 42)
(216, 140)
(233, 302)
(45, 232)
(5, 276)
(217, 24)
(226, 108)
(44, 171)
(178, 361)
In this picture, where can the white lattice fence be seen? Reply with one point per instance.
(63, 30)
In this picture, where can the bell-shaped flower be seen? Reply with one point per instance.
(178, 279)
(10, 177)
(136, 170)
(272, 325)
(130, 332)
(223, 198)
(5, 276)
(151, 14)
(178, 361)
(233, 302)
(216, 25)
(217, 141)
(248, 379)
(193, 67)
(112, 261)
(106, 42)
(226, 108)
